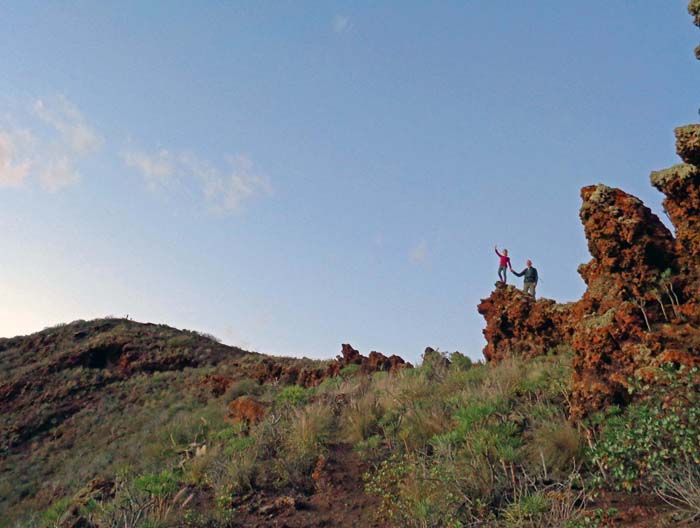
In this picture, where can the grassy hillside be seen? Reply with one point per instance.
(93, 398)
(113, 423)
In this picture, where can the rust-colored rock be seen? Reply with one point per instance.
(688, 143)
(631, 250)
(681, 185)
(216, 384)
(272, 371)
(349, 356)
(516, 324)
(641, 305)
(694, 11)
(376, 362)
(246, 410)
(627, 241)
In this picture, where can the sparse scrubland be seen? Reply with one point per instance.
(448, 443)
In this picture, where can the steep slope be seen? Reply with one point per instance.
(80, 400)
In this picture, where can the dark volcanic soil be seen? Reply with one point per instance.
(338, 501)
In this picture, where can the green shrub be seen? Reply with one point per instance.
(554, 446)
(238, 444)
(244, 387)
(306, 435)
(54, 513)
(596, 519)
(380, 375)
(658, 434)
(421, 422)
(528, 510)
(232, 469)
(294, 395)
(460, 361)
(157, 484)
(329, 385)
(349, 371)
(360, 417)
(420, 491)
(370, 449)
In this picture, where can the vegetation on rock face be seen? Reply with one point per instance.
(656, 440)
(641, 307)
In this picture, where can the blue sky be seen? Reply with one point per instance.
(290, 176)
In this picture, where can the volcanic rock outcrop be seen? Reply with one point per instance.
(516, 324)
(271, 371)
(694, 10)
(245, 410)
(641, 307)
(612, 340)
(681, 185)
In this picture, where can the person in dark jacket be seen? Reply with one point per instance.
(530, 278)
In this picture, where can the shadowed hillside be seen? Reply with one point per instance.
(95, 399)
(83, 399)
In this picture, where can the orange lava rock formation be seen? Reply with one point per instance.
(376, 362)
(217, 384)
(517, 324)
(641, 307)
(271, 371)
(245, 410)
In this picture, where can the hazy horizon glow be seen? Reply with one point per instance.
(292, 176)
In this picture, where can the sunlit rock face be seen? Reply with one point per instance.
(518, 325)
(641, 307)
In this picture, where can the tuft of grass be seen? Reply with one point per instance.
(304, 442)
(53, 514)
(244, 387)
(460, 361)
(361, 416)
(527, 510)
(555, 447)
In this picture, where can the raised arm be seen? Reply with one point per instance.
(497, 253)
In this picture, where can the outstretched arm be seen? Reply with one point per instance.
(516, 273)
(497, 253)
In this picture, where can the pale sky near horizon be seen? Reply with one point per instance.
(290, 176)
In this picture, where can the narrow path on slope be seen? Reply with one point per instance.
(338, 501)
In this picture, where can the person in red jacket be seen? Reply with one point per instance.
(504, 264)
